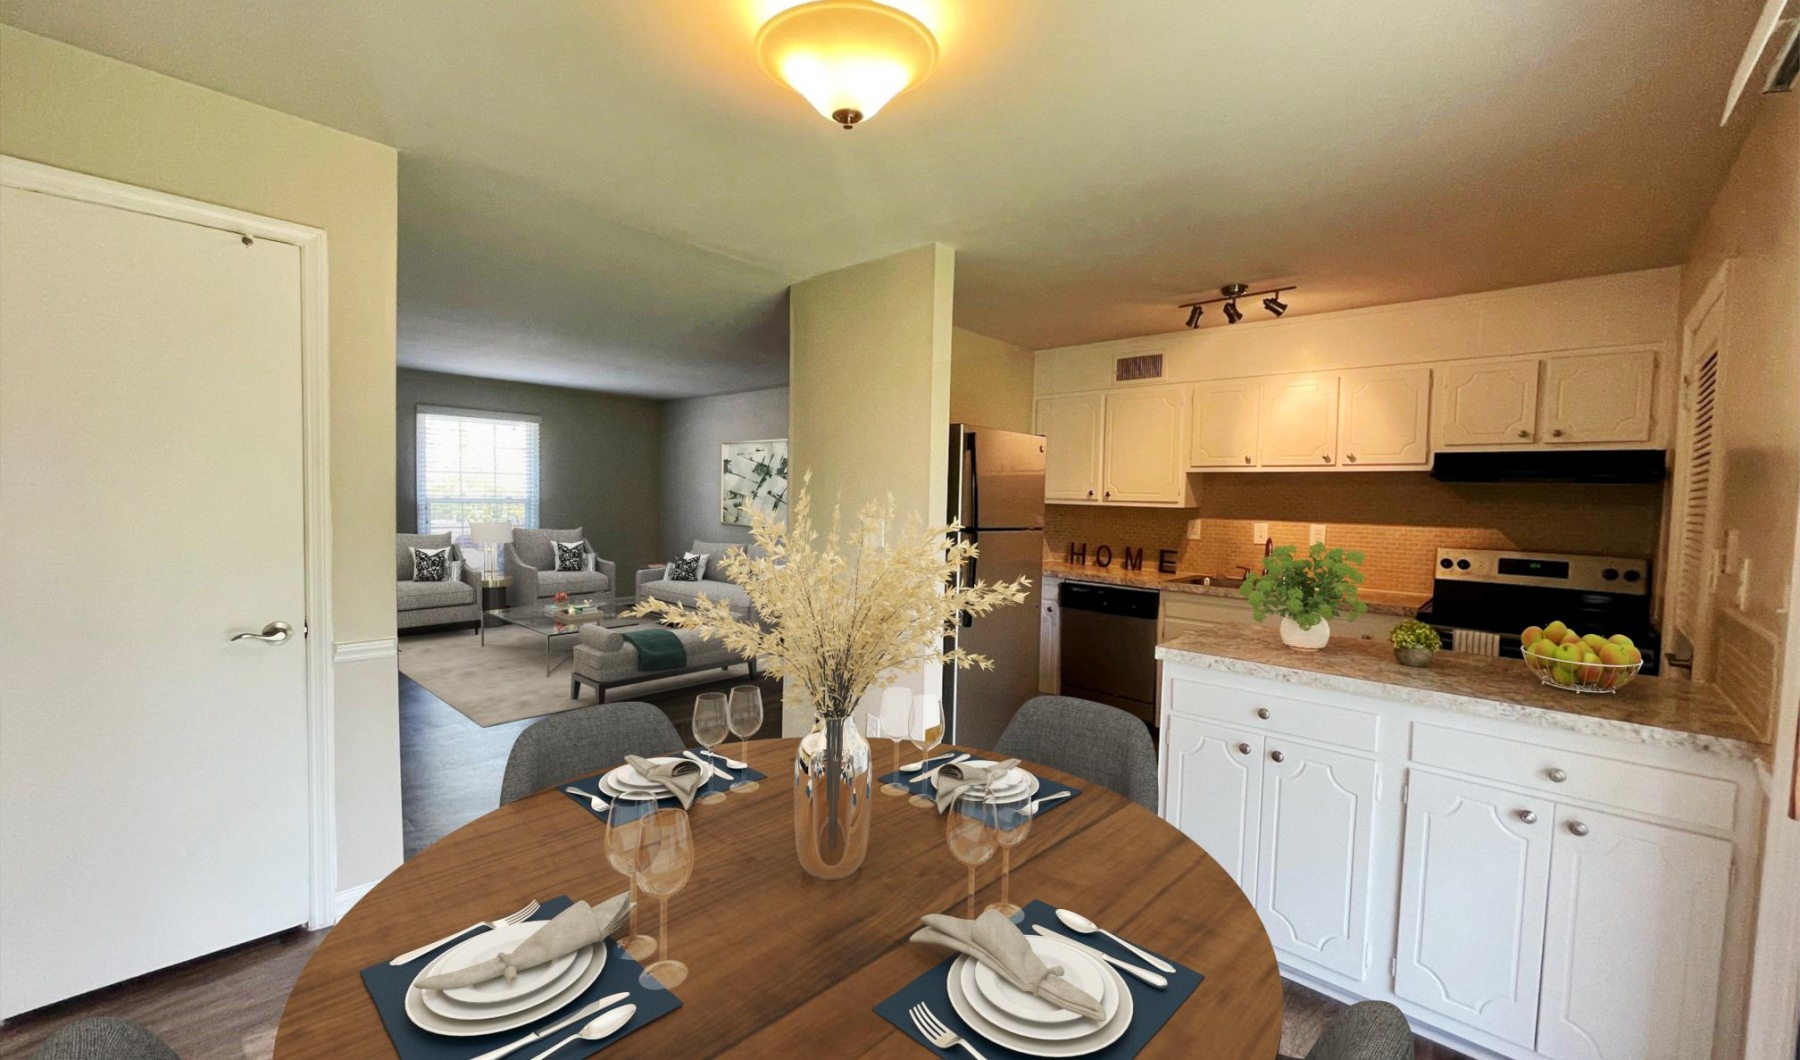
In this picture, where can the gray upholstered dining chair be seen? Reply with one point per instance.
(104, 1038)
(564, 746)
(1090, 740)
(1367, 1030)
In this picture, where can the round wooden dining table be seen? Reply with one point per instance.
(783, 965)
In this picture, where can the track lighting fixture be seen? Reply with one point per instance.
(1274, 304)
(1233, 292)
(1232, 313)
(1194, 317)
(1229, 294)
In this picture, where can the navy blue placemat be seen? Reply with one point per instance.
(1046, 788)
(1153, 1007)
(387, 986)
(591, 784)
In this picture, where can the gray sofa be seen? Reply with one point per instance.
(531, 563)
(653, 583)
(433, 603)
(604, 660)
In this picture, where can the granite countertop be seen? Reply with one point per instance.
(1651, 710)
(1380, 602)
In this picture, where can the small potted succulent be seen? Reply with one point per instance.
(1306, 591)
(1414, 643)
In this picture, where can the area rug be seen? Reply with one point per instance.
(504, 680)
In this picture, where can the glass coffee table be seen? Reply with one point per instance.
(538, 619)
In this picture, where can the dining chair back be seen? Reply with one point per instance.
(104, 1038)
(584, 740)
(1367, 1030)
(1098, 743)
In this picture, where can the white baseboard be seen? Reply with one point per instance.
(343, 900)
(346, 651)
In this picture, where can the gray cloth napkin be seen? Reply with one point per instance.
(994, 941)
(680, 778)
(576, 927)
(954, 778)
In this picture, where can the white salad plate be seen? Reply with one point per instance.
(612, 790)
(1029, 1014)
(427, 1020)
(1106, 1034)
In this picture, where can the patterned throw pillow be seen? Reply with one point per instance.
(431, 564)
(571, 555)
(687, 568)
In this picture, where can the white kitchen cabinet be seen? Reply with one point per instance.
(1312, 870)
(1222, 432)
(1598, 397)
(1298, 418)
(1212, 791)
(1634, 939)
(1473, 880)
(1146, 446)
(1049, 639)
(1384, 418)
(1072, 426)
(1487, 403)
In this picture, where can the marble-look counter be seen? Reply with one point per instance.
(1651, 710)
(1379, 601)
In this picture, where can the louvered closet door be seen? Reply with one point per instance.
(1697, 485)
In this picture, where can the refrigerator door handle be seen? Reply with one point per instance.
(974, 481)
(968, 580)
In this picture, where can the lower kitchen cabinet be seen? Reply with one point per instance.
(1312, 870)
(1212, 791)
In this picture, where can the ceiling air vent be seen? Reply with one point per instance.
(1772, 57)
(1138, 368)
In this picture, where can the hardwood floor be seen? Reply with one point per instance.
(226, 1006)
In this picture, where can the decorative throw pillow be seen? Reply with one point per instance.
(431, 564)
(571, 555)
(687, 568)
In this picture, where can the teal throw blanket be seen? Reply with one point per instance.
(657, 649)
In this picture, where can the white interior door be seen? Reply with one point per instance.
(153, 772)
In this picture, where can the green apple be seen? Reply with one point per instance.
(1555, 631)
(1594, 641)
(1621, 640)
(1532, 635)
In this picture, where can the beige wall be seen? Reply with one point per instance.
(990, 382)
(69, 108)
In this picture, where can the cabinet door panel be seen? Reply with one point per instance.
(1146, 446)
(1312, 873)
(1215, 792)
(1599, 397)
(1491, 403)
(1473, 881)
(1633, 941)
(1384, 418)
(1298, 421)
(1223, 425)
(1071, 426)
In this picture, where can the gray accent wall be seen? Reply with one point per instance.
(600, 458)
(693, 430)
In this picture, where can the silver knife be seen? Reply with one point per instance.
(708, 766)
(928, 774)
(505, 1050)
(1145, 974)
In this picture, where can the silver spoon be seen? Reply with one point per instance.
(599, 805)
(601, 1026)
(914, 767)
(1082, 925)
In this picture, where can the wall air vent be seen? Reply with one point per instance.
(1138, 368)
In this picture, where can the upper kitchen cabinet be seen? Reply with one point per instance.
(1299, 419)
(1072, 426)
(1598, 397)
(1222, 432)
(1384, 418)
(1487, 403)
(1146, 447)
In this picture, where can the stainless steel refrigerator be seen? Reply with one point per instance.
(997, 496)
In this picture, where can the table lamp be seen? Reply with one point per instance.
(490, 536)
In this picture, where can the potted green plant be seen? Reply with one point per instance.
(1306, 591)
(1414, 643)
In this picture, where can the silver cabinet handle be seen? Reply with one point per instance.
(1278, 756)
(1528, 816)
(273, 633)
(1243, 748)
(1556, 775)
(1577, 828)
(1263, 713)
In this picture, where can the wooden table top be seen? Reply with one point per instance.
(785, 965)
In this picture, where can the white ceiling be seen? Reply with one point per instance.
(611, 194)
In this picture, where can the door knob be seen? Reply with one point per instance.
(1577, 828)
(274, 633)
(1528, 816)
(1278, 756)
(1243, 748)
(1556, 775)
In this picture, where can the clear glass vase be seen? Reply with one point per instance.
(834, 782)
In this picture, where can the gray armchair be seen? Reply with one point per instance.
(433, 603)
(531, 563)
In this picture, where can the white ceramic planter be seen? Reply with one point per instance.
(1305, 639)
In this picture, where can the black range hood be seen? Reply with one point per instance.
(1538, 465)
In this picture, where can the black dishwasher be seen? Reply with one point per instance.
(1108, 646)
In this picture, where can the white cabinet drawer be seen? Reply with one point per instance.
(1706, 801)
(1260, 712)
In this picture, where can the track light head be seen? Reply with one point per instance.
(1232, 313)
(1274, 304)
(1194, 317)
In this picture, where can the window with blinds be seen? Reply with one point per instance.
(475, 467)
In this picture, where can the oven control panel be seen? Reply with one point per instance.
(1555, 570)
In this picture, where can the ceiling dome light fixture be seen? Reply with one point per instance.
(846, 57)
(1229, 294)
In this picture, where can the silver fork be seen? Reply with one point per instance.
(933, 1028)
(599, 804)
(516, 918)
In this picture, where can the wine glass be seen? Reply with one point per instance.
(1012, 823)
(924, 728)
(894, 714)
(624, 827)
(665, 860)
(746, 718)
(969, 833)
(711, 725)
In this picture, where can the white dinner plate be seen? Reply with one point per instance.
(454, 1004)
(427, 1020)
(631, 794)
(1029, 1014)
(1111, 1031)
(627, 776)
(486, 944)
(1015, 783)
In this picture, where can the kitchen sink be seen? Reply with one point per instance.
(1222, 581)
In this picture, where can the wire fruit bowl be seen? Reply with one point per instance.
(1596, 677)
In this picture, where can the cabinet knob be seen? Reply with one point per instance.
(1243, 748)
(1278, 756)
(1109, 493)
(1325, 457)
(1557, 433)
(1090, 493)
(1524, 433)
(1351, 458)
(1246, 460)
(1556, 775)
(1528, 816)
(1577, 828)
(1263, 713)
